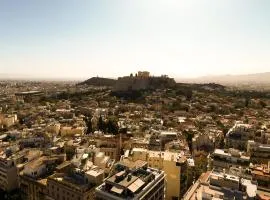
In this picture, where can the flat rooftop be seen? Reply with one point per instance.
(71, 181)
(221, 152)
(128, 182)
(202, 188)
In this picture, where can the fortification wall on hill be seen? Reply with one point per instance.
(142, 83)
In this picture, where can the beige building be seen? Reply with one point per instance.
(228, 159)
(33, 178)
(31, 186)
(33, 189)
(103, 161)
(8, 120)
(173, 164)
(110, 144)
(53, 128)
(78, 185)
(138, 143)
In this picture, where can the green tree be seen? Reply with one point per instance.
(189, 94)
(101, 124)
(247, 101)
(221, 144)
(112, 126)
(189, 135)
(200, 165)
(89, 126)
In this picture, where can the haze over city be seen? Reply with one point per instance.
(80, 39)
(134, 100)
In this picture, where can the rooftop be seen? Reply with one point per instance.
(129, 180)
(214, 185)
(75, 181)
(231, 153)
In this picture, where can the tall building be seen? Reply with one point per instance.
(133, 180)
(173, 164)
(8, 174)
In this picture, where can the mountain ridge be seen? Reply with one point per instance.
(259, 78)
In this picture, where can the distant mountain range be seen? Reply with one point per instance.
(259, 78)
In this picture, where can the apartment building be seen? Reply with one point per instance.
(33, 178)
(133, 180)
(203, 142)
(111, 145)
(173, 164)
(259, 153)
(228, 159)
(238, 136)
(165, 137)
(8, 174)
(75, 185)
(32, 186)
(219, 185)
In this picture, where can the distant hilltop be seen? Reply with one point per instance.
(142, 81)
(97, 81)
(139, 81)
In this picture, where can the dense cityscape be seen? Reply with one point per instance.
(134, 100)
(137, 137)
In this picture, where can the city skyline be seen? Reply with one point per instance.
(184, 39)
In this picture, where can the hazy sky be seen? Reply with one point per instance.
(181, 38)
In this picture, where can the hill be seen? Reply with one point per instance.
(97, 81)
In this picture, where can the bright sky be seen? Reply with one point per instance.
(110, 38)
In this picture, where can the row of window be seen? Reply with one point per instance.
(55, 191)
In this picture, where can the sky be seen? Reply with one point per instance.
(110, 38)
